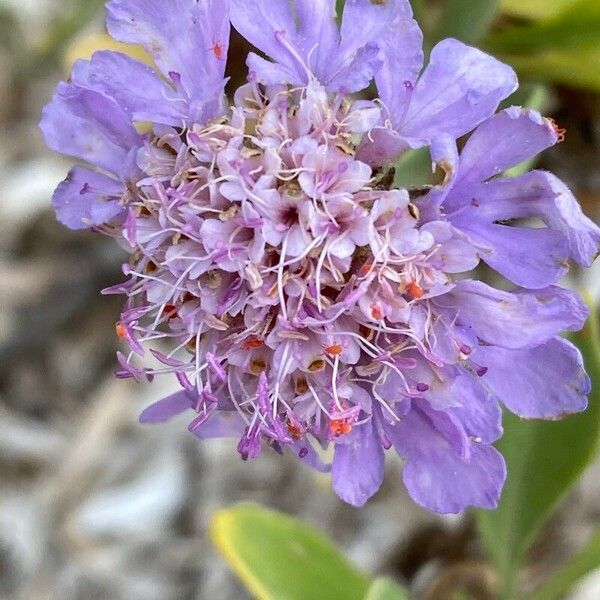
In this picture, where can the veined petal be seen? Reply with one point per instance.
(463, 396)
(505, 140)
(357, 468)
(87, 198)
(536, 194)
(460, 88)
(364, 21)
(187, 37)
(88, 125)
(546, 382)
(439, 478)
(402, 50)
(271, 73)
(318, 32)
(269, 25)
(529, 257)
(135, 86)
(518, 320)
(358, 73)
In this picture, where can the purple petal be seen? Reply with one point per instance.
(89, 125)
(304, 450)
(464, 397)
(380, 146)
(530, 257)
(270, 73)
(187, 37)
(357, 75)
(87, 198)
(565, 214)
(134, 85)
(364, 23)
(357, 468)
(269, 25)
(318, 32)
(402, 50)
(167, 408)
(459, 88)
(436, 476)
(221, 424)
(536, 194)
(504, 141)
(519, 320)
(546, 382)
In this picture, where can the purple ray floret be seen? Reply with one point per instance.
(298, 299)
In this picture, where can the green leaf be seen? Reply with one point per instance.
(280, 558)
(467, 20)
(536, 9)
(563, 49)
(544, 459)
(575, 68)
(559, 583)
(386, 589)
(578, 27)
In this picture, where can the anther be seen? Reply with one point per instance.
(334, 349)
(339, 427)
(252, 344)
(414, 290)
(257, 366)
(316, 365)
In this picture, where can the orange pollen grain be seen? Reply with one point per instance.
(334, 350)
(339, 427)
(415, 290)
(376, 313)
(364, 270)
(121, 331)
(294, 431)
(252, 344)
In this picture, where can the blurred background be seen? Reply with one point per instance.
(95, 506)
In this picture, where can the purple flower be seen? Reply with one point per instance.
(298, 299)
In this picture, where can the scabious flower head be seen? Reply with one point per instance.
(298, 298)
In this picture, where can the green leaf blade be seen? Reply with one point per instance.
(467, 20)
(280, 558)
(384, 588)
(545, 460)
(561, 582)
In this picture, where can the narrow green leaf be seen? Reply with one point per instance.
(544, 461)
(559, 583)
(467, 20)
(386, 589)
(280, 558)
